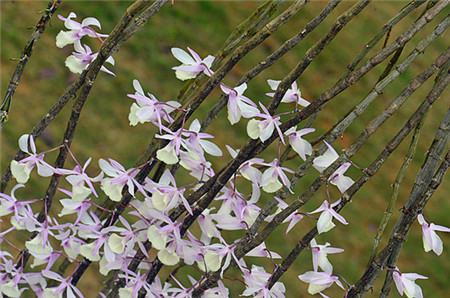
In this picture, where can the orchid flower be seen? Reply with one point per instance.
(325, 222)
(149, 108)
(169, 154)
(196, 164)
(249, 172)
(82, 57)
(218, 292)
(197, 140)
(91, 250)
(263, 129)
(119, 177)
(135, 282)
(301, 146)
(39, 247)
(319, 281)
(165, 194)
(342, 182)
(292, 95)
(81, 208)
(256, 284)
(319, 255)
(77, 30)
(262, 251)
(79, 179)
(322, 162)
(239, 105)
(431, 240)
(270, 180)
(207, 226)
(21, 169)
(405, 283)
(293, 218)
(192, 64)
(10, 204)
(217, 253)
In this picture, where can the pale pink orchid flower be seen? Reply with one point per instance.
(431, 240)
(77, 30)
(192, 64)
(21, 169)
(256, 284)
(196, 140)
(169, 154)
(117, 178)
(292, 95)
(262, 251)
(322, 162)
(325, 222)
(405, 283)
(218, 292)
(340, 180)
(319, 281)
(10, 204)
(78, 178)
(165, 194)
(197, 165)
(135, 282)
(300, 145)
(238, 104)
(292, 219)
(149, 108)
(319, 255)
(274, 177)
(263, 129)
(82, 57)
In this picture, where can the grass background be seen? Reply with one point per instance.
(103, 130)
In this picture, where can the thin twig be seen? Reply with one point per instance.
(395, 189)
(26, 55)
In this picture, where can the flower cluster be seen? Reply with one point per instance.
(83, 55)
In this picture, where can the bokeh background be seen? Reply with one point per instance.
(204, 26)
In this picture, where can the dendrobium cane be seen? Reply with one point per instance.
(319, 281)
(337, 178)
(263, 129)
(325, 222)
(149, 108)
(322, 162)
(82, 57)
(239, 105)
(431, 240)
(192, 64)
(21, 169)
(292, 95)
(319, 256)
(405, 283)
(77, 30)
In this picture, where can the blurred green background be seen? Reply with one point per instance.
(103, 130)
